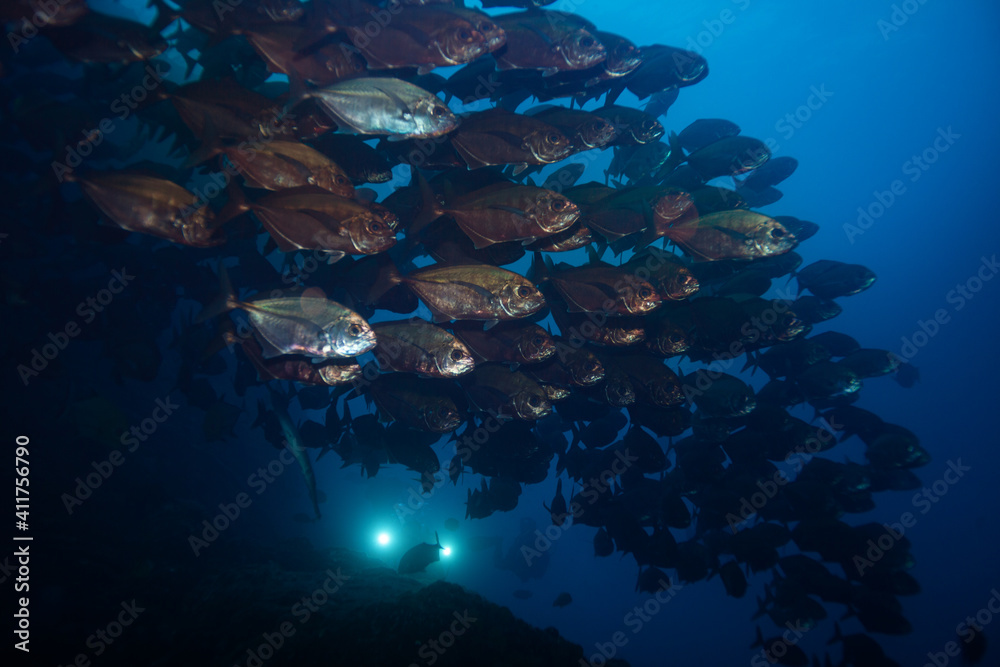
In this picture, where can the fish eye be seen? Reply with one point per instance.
(354, 330)
(537, 341)
(645, 292)
(558, 204)
(437, 111)
(443, 412)
(777, 232)
(523, 291)
(587, 42)
(375, 226)
(457, 355)
(534, 401)
(464, 35)
(554, 138)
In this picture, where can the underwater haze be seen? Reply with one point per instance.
(224, 468)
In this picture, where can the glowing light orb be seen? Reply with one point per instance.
(384, 539)
(446, 551)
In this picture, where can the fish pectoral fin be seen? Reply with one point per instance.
(478, 289)
(438, 316)
(509, 137)
(733, 233)
(519, 168)
(509, 209)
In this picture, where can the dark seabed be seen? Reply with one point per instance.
(381, 333)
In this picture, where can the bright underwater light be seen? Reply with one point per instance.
(446, 551)
(384, 539)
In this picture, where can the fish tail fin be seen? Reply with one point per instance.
(210, 146)
(235, 207)
(225, 336)
(165, 15)
(593, 256)
(675, 145)
(539, 271)
(387, 277)
(223, 302)
(837, 635)
(430, 210)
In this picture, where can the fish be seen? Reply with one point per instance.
(278, 164)
(632, 126)
(571, 366)
(706, 131)
(417, 346)
(327, 64)
(585, 130)
(562, 600)
(470, 292)
(293, 444)
(308, 218)
(416, 559)
(424, 37)
(297, 369)
(552, 42)
(830, 279)
(505, 212)
(599, 288)
(384, 106)
(506, 394)
(497, 137)
(360, 161)
(419, 403)
(143, 202)
(310, 325)
(736, 234)
(95, 37)
(664, 67)
(730, 156)
(558, 509)
(515, 343)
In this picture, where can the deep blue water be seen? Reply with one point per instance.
(858, 104)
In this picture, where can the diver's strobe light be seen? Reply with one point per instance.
(384, 539)
(446, 551)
